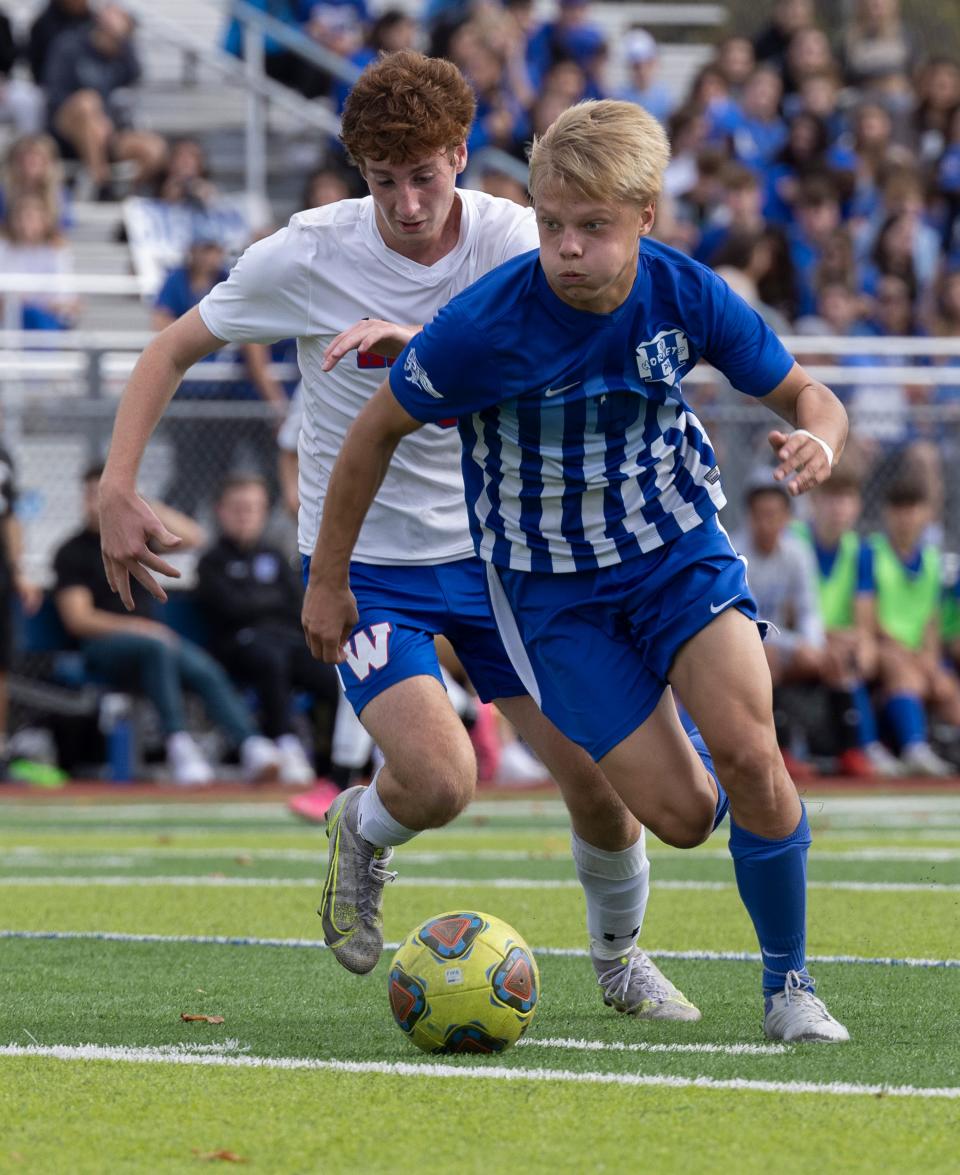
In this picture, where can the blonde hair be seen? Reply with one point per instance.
(50, 187)
(606, 150)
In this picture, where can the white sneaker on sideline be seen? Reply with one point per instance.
(188, 766)
(796, 1014)
(884, 762)
(295, 767)
(519, 767)
(922, 759)
(260, 759)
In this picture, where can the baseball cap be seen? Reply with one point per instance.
(639, 46)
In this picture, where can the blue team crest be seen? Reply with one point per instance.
(413, 370)
(660, 359)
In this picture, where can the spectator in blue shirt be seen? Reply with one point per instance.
(736, 60)
(817, 215)
(643, 62)
(803, 155)
(572, 36)
(819, 95)
(756, 129)
(740, 213)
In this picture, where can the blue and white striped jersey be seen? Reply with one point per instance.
(578, 448)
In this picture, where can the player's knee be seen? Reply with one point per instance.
(751, 764)
(687, 827)
(451, 792)
(444, 785)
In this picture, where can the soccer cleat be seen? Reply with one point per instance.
(922, 759)
(353, 891)
(314, 804)
(634, 985)
(796, 1014)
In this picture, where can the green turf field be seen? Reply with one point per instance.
(118, 916)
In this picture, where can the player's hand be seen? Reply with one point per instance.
(370, 334)
(128, 530)
(802, 457)
(329, 616)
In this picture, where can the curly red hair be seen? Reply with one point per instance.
(406, 106)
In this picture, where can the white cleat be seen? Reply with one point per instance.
(922, 759)
(796, 1014)
(634, 985)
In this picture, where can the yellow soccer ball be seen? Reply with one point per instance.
(463, 982)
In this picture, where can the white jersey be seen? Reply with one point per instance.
(322, 273)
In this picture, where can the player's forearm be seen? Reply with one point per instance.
(818, 411)
(149, 390)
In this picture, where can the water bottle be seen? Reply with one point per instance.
(116, 723)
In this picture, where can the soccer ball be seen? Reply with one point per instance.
(463, 982)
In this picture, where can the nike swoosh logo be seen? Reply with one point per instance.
(715, 608)
(556, 391)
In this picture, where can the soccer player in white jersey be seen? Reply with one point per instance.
(400, 254)
(593, 492)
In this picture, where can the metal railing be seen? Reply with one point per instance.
(249, 74)
(98, 361)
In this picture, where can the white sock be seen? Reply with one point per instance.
(351, 743)
(616, 886)
(375, 824)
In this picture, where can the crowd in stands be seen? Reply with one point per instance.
(815, 165)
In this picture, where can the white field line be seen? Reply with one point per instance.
(619, 1046)
(481, 1072)
(209, 881)
(558, 952)
(34, 857)
(876, 808)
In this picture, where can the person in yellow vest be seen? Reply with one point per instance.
(907, 579)
(784, 579)
(950, 618)
(848, 610)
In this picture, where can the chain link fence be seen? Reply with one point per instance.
(54, 431)
(54, 438)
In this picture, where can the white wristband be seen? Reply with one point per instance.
(828, 452)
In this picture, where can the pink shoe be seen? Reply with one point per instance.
(312, 805)
(486, 742)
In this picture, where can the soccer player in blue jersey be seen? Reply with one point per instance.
(593, 490)
(401, 253)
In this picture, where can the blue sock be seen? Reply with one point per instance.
(905, 714)
(867, 721)
(706, 759)
(772, 880)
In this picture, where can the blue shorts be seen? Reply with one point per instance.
(402, 608)
(594, 648)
